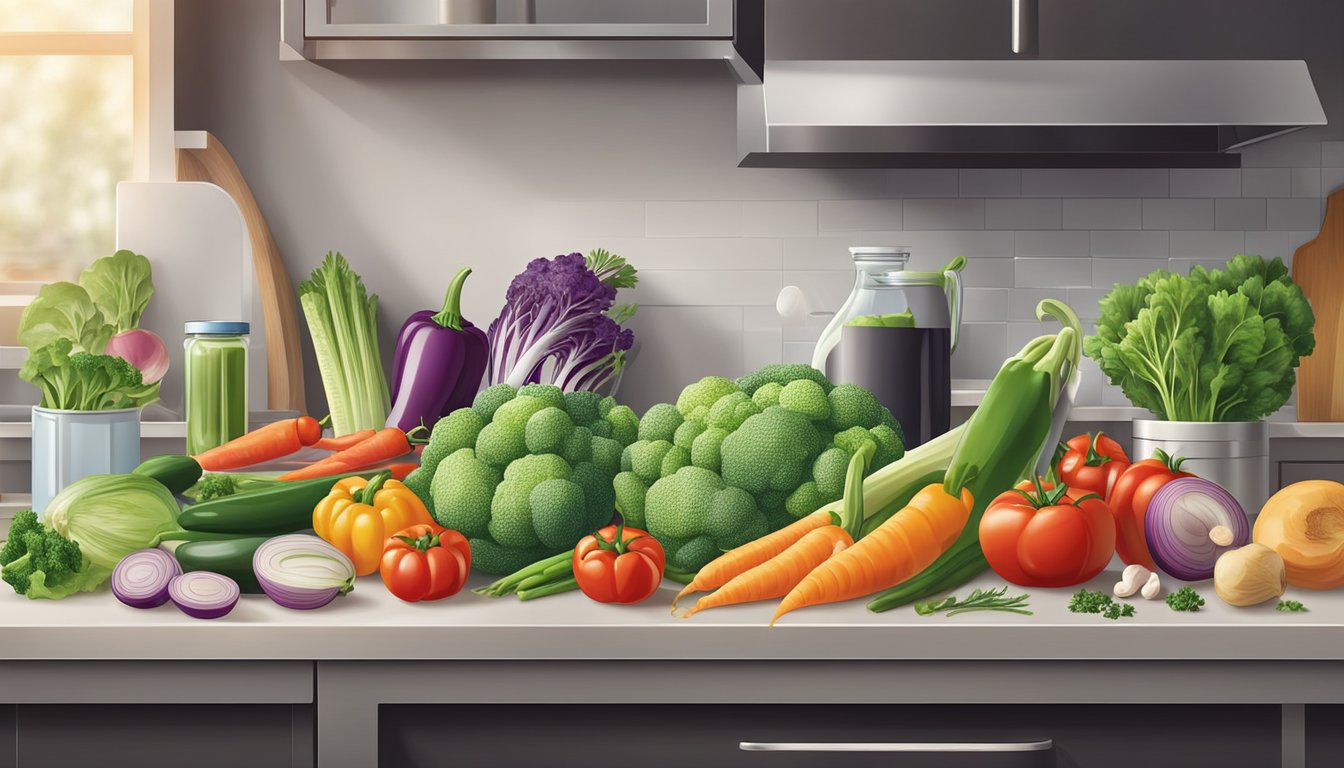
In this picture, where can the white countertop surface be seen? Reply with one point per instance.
(370, 624)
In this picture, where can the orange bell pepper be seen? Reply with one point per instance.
(359, 515)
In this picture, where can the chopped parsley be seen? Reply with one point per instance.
(1085, 601)
(1185, 599)
(1290, 606)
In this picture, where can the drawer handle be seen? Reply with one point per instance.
(1040, 745)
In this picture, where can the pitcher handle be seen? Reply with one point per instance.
(952, 287)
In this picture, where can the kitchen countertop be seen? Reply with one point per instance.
(366, 623)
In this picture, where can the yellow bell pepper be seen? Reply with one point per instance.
(359, 515)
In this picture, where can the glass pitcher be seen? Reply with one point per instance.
(895, 335)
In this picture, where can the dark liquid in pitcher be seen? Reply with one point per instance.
(909, 370)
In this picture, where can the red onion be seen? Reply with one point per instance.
(204, 595)
(143, 349)
(1181, 524)
(302, 572)
(141, 579)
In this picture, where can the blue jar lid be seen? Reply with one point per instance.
(218, 327)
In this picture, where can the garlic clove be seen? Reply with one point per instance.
(1249, 575)
(1152, 588)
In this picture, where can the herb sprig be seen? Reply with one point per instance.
(1086, 601)
(1290, 606)
(979, 600)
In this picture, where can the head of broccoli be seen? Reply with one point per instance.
(84, 381)
(40, 563)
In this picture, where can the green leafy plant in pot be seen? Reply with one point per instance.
(1211, 354)
(95, 370)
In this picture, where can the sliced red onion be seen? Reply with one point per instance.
(204, 595)
(1180, 527)
(141, 579)
(302, 572)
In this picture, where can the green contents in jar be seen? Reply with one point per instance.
(216, 391)
(904, 319)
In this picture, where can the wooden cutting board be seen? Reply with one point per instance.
(1318, 267)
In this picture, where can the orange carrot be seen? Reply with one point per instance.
(777, 576)
(741, 559)
(345, 441)
(899, 548)
(388, 443)
(270, 442)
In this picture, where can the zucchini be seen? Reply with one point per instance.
(228, 557)
(283, 508)
(176, 473)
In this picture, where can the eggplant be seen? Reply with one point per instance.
(439, 361)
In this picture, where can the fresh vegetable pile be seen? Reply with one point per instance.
(1217, 345)
(524, 473)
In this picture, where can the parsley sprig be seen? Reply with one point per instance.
(979, 600)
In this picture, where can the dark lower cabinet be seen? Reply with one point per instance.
(709, 736)
(157, 735)
(1325, 738)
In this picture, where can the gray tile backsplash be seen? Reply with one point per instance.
(1103, 213)
(1205, 182)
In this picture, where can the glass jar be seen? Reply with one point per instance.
(215, 383)
(894, 336)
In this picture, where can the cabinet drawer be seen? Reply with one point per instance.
(805, 735)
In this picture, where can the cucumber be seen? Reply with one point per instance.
(176, 473)
(283, 508)
(229, 557)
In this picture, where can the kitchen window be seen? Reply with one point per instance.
(75, 119)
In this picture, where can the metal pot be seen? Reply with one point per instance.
(1233, 454)
(71, 445)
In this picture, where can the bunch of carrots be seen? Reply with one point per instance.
(821, 559)
(350, 453)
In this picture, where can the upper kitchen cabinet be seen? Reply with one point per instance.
(722, 30)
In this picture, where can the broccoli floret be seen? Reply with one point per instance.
(687, 432)
(854, 406)
(772, 451)
(695, 505)
(578, 447)
(602, 428)
(675, 458)
(829, 472)
(703, 394)
(660, 422)
(706, 449)
(547, 393)
(782, 373)
(768, 394)
(890, 446)
(731, 410)
(84, 381)
(489, 399)
(630, 496)
(624, 424)
(806, 397)
(462, 490)
(512, 522)
(40, 563)
(215, 485)
(852, 439)
(607, 454)
(806, 499)
(451, 434)
(646, 458)
(547, 430)
(554, 503)
(583, 407)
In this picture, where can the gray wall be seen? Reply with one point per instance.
(414, 169)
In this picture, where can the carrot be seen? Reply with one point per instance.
(781, 573)
(741, 559)
(344, 441)
(270, 442)
(401, 469)
(387, 443)
(896, 550)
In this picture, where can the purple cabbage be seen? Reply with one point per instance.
(555, 327)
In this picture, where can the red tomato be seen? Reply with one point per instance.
(1092, 464)
(425, 562)
(619, 565)
(1037, 536)
(1129, 503)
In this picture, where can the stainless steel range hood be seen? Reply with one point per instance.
(1019, 113)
